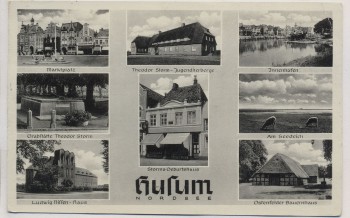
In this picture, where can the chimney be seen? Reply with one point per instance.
(159, 32)
(195, 81)
(183, 24)
(175, 86)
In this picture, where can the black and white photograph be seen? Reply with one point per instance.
(285, 38)
(173, 119)
(285, 169)
(173, 37)
(285, 103)
(62, 169)
(78, 38)
(62, 102)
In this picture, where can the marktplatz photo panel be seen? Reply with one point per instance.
(173, 119)
(285, 169)
(63, 102)
(62, 169)
(50, 37)
(173, 37)
(285, 103)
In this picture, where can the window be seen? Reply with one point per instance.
(206, 47)
(166, 49)
(196, 149)
(194, 48)
(171, 48)
(176, 48)
(205, 124)
(153, 120)
(191, 117)
(178, 118)
(163, 119)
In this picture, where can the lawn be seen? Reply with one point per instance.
(248, 191)
(98, 124)
(68, 195)
(173, 60)
(71, 61)
(169, 162)
(285, 122)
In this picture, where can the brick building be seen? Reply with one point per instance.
(30, 39)
(191, 39)
(65, 161)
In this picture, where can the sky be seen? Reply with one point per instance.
(283, 18)
(162, 83)
(87, 155)
(95, 18)
(285, 91)
(148, 23)
(302, 151)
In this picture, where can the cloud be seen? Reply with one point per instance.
(282, 18)
(95, 18)
(299, 18)
(151, 25)
(303, 152)
(265, 100)
(273, 18)
(164, 84)
(262, 87)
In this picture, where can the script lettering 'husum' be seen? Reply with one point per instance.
(173, 185)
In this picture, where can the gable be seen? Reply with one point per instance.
(172, 103)
(275, 165)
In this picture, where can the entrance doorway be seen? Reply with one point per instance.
(274, 179)
(195, 145)
(31, 50)
(64, 50)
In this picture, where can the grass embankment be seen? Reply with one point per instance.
(285, 123)
(324, 58)
(173, 60)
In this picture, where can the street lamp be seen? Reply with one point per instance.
(55, 41)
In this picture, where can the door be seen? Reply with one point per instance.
(156, 50)
(195, 145)
(274, 179)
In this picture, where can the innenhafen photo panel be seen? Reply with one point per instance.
(173, 119)
(62, 169)
(173, 37)
(285, 103)
(62, 102)
(285, 39)
(50, 37)
(285, 169)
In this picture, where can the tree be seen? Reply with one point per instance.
(252, 156)
(325, 26)
(67, 183)
(91, 81)
(47, 176)
(327, 150)
(33, 150)
(327, 154)
(105, 157)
